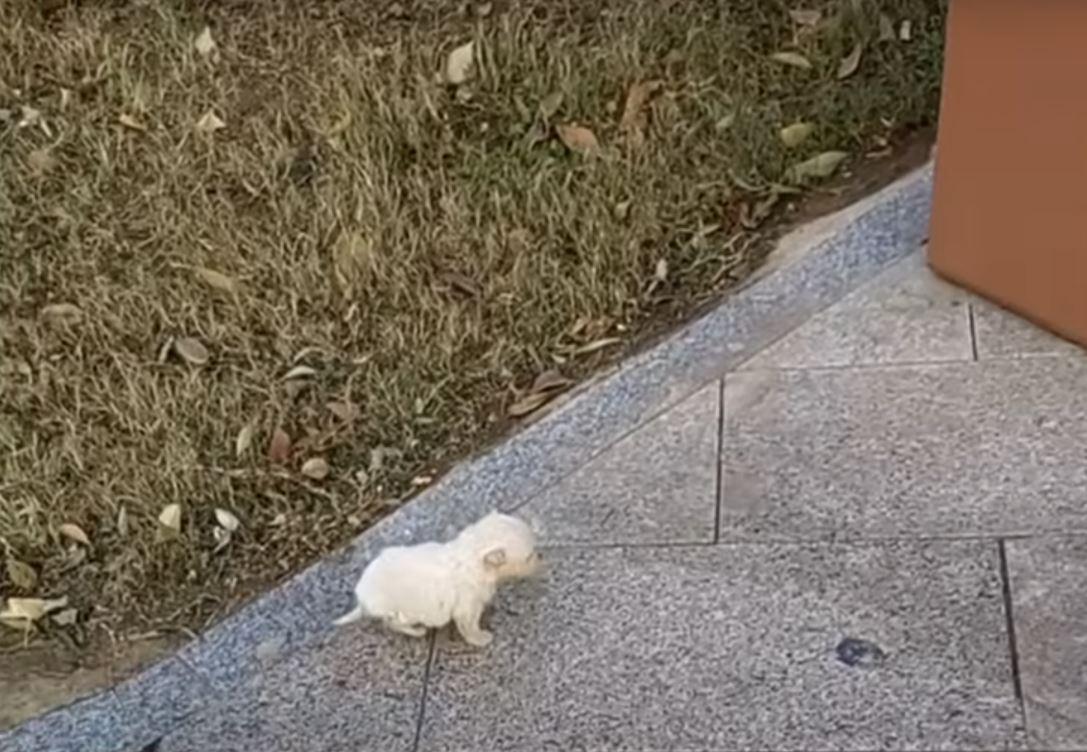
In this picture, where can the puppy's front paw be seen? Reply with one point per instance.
(480, 640)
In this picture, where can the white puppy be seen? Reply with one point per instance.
(425, 586)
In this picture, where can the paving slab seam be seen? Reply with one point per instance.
(432, 639)
(719, 490)
(973, 331)
(769, 540)
(1009, 617)
(853, 248)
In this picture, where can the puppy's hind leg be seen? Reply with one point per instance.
(467, 618)
(396, 624)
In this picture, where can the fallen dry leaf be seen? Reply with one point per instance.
(362, 478)
(577, 138)
(74, 532)
(796, 134)
(551, 104)
(795, 59)
(550, 380)
(886, 28)
(244, 440)
(458, 66)
(209, 122)
(191, 350)
(348, 412)
(217, 280)
(633, 121)
(316, 468)
(660, 273)
(462, 284)
(222, 538)
(41, 161)
(279, 448)
(227, 520)
(205, 43)
(21, 575)
(806, 17)
(299, 372)
(599, 344)
(26, 610)
(820, 166)
(850, 62)
(66, 618)
(66, 311)
(529, 404)
(905, 31)
(170, 517)
(725, 122)
(122, 522)
(131, 123)
(30, 609)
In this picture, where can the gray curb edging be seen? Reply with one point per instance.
(824, 261)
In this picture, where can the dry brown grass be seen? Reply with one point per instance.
(425, 250)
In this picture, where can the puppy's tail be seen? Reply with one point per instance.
(354, 614)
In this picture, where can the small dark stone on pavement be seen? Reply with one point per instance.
(853, 651)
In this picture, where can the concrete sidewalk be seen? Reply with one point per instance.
(868, 530)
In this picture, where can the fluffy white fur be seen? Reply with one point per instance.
(414, 588)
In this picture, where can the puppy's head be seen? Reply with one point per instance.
(507, 546)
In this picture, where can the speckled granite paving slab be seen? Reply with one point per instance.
(892, 646)
(1049, 596)
(993, 448)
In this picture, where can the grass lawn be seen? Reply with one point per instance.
(279, 262)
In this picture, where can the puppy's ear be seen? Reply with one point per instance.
(494, 558)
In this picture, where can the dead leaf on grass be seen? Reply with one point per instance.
(41, 161)
(226, 520)
(633, 121)
(599, 344)
(550, 105)
(205, 44)
(29, 610)
(806, 17)
(61, 311)
(21, 574)
(905, 31)
(379, 455)
(796, 134)
(66, 618)
(222, 538)
(300, 372)
(794, 59)
(243, 440)
(463, 284)
(316, 468)
(122, 522)
(660, 273)
(549, 381)
(191, 350)
(886, 28)
(820, 166)
(170, 517)
(217, 280)
(131, 123)
(458, 66)
(279, 448)
(529, 404)
(74, 532)
(209, 122)
(346, 411)
(577, 138)
(850, 62)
